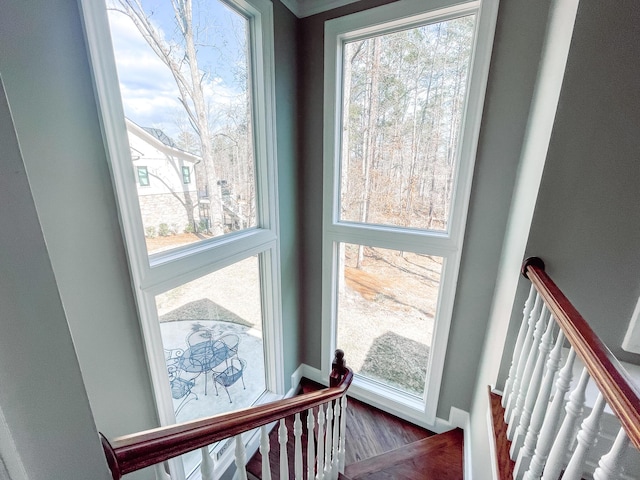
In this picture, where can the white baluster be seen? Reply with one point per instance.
(161, 473)
(586, 439)
(328, 441)
(575, 407)
(517, 350)
(514, 420)
(321, 420)
(522, 361)
(297, 432)
(336, 441)
(241, 459)
(284, 458)
(311, 454)
(539, 410)
(532, 391)
(206, 466)
(551, 419)
(265, 447)
(610, 465)
(343, 434)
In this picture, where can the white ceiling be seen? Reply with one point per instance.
(305, 8)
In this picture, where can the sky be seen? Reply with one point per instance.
(149, 92)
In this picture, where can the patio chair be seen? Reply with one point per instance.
(230, 342)
(230, 375)
(180, 388)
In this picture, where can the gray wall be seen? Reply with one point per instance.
(586, 225)
(288, 130)
(587, 219)
(43, 400)
(45, 68)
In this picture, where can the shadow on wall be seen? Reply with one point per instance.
(397, 361)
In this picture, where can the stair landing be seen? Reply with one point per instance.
(438, 457)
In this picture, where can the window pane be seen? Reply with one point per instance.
(212, 337)
(187, 102)
(403, 100)
(386, 307)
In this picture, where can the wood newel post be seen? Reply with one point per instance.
(338, 369)
(112, 460)
(534, 262)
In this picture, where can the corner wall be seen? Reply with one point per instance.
(46, 72)
(47, 429)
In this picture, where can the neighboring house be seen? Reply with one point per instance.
(166, 181)
(71, 348)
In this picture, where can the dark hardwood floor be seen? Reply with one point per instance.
(437, 457)
(416, 453)
(504, 462)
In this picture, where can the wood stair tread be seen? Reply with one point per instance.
(436, 457)
(501, 443)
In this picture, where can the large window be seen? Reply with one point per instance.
(185, 91)
(403, 96)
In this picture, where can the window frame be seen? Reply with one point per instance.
(143, 176)
(448, 244)
(157, 273)
(186, 175)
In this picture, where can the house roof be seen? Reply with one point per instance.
(160, 135)
(160, 140)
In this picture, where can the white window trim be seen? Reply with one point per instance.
(157, 273)
(448, 245)
(631, 342)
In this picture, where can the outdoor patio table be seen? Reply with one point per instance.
(203, 357)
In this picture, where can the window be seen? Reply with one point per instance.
(143, 176)
(186, 175)
(202, 239)
(403, 100)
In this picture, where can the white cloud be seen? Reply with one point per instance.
(149, 92)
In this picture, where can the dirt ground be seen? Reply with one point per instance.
(385, 315)
(159, 244)
(386, 307)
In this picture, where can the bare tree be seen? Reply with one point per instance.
(182, 61)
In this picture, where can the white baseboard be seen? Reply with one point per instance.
(492, 444)
(460, 418)
(308, 372)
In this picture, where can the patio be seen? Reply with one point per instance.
(246, 361)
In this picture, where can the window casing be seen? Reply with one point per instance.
(343, 231)
(186, 175)
(152, 275)
(143, 176)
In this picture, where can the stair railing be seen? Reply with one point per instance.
(133, 452)
(544, 443)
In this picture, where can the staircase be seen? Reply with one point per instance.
(360, 440)
(380, 446)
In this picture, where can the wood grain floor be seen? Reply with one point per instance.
(415, 451)
(436, 458)
(505, 464)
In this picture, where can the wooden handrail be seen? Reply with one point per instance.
(610, 376)
(129, 453)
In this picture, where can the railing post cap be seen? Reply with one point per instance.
(531, 261)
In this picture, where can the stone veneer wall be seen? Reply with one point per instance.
(165, 208)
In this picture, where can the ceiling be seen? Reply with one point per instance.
(305, 8)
